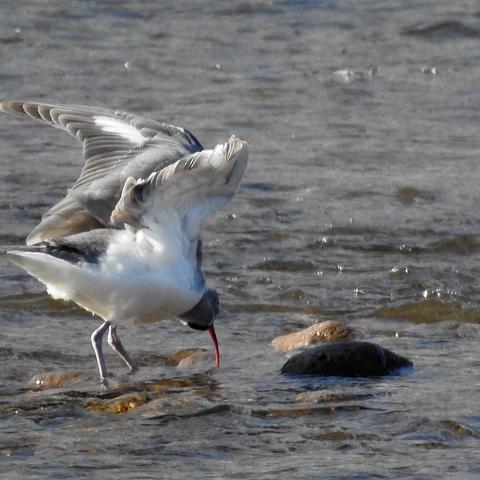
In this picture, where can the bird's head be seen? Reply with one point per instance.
(202, 316)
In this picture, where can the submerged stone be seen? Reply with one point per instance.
(46, 380)
(346, 359)
(431, 310)
(330, 331)
(177, 357)
(122, 404)
(201, 359)
(191, 358)
(185, 404)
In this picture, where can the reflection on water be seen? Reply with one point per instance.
(359, 205)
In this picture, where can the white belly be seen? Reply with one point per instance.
(119, 291)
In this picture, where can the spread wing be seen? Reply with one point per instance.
(116, 146)
(189, 189)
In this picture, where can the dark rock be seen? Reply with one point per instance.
(346, 359)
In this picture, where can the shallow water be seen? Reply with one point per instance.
(359, 205)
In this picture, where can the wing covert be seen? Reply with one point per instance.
(194, 187)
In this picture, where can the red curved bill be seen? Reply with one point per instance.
(211, 331)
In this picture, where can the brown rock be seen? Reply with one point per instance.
(46, 381)
(122, 404)
(346, 359)
(199, 359)
(162, 386)
(330, 331)
(177, 357)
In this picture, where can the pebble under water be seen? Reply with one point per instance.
(359, 205)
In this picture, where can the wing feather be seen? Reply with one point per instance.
(194, 186)
(116, 145)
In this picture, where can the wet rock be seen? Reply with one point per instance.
(320, 396)
(182, 405)
(177, 357)
(122, 404)
(196, 382)
(191, 358)
(329, 331)
(307, 411)
(46, 380)
(168, 405)
(346, 359)
(202, 359)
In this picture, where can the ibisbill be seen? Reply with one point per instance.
(124, 243)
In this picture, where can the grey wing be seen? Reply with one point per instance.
(194, 187)
(86, 247)
(116, 145)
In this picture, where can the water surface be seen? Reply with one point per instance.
(360, 204)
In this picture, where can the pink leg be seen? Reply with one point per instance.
(116, 344)
(96, 339)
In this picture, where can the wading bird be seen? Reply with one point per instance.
(124, 243)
